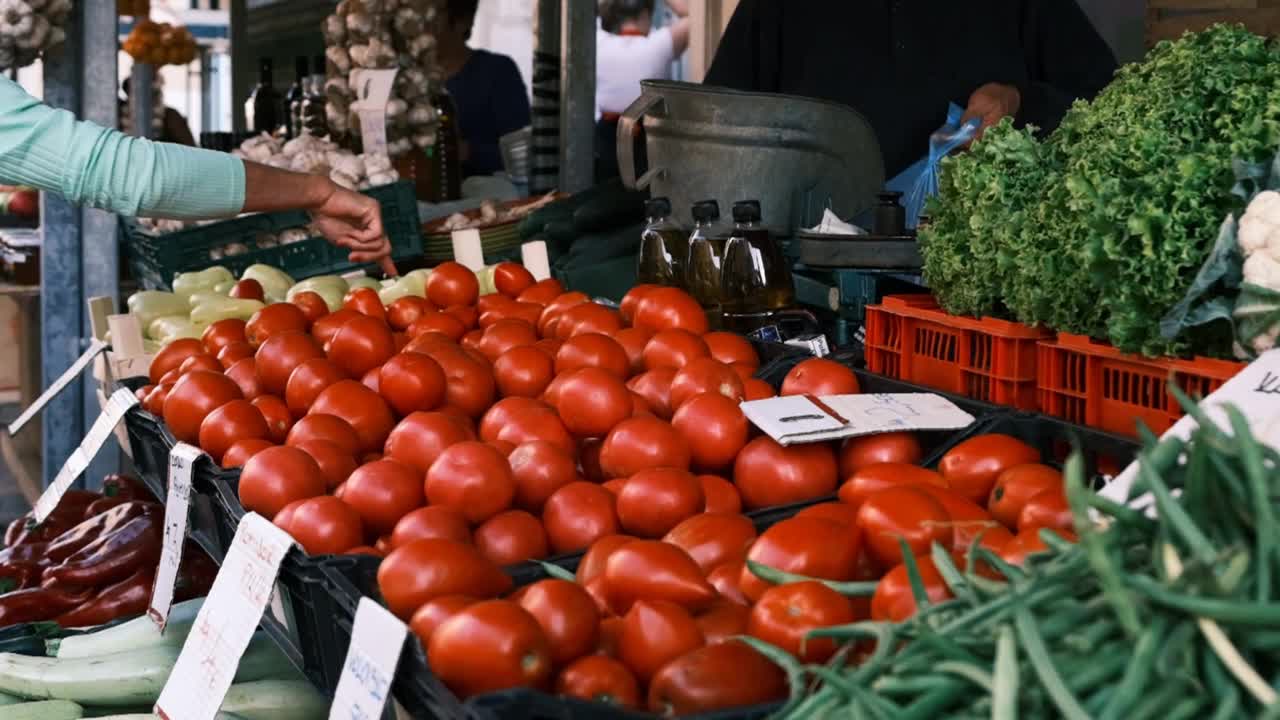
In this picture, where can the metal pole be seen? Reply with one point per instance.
(241, 63)
(578, 95)
(544, 165)
(142, 99)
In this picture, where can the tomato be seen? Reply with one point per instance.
(768, 474)
(383, 492)
(245, 375)
(593, 561)
(435, 321)
(324, 329)
(248, 289)
(588, 318)
(539, 469)
(307, 381)
(716, 677)
(589, 459)
(276, 413)
(655, 387)
(221, 334)
(727, 580)
(1017, 485)
(469, 384)
(232, 421)
(971, 468)
(895, 447)
(171, 377)
(723, 621)
(655, 632)
(721, 495)
(577, 515)
(465, 314)
(633, 340)
(272, 320)
(171, 357)
(504, 335)
(713, 539)
(512, 537)
(241, 450)
(313, 306)
(411, 382)
(550, 346)
(420, 570)
(640, 443)
(567, 615)
(505, 411)
(280, 355)
(511, 279)
(614, 486)
(472, 478)
(668, 308)
(730, 348)
(705, 375)
(1028, 542)
(362, 408)
(591, 402)
(489, 646)
(551, 313)
(523, 372)
(405, 311)
(655, 570)
(838, 511)
(654, 501)
(541, 292)
(434, 612)
(1046, 509)
(593, 350)
(894, 601)
(902, 513)
(630, 301)
(336, 463)
(818, 377)
(639, 406)
(715, 427)
(599, 679)
(325, 427)
(277, 476)
(968, 522)
(471, 341)
(785, 614)
(874, 478)
(199, 362)
(325, 526)
(360, 345)
(532, 420)
(365, 301)
(193, 397)
(422, 436)
(673, 348)
(232, 353)
(431, 522)
(810, 546)
(452, 283)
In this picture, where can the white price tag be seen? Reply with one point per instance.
(182, 460)
(96, 347)
(467, 249)
(226, 622)
(533, 255)
(373, 90)
(377, 638)
(805, 419)
(78, 462)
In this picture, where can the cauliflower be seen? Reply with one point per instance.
(1262, 269)
(1260, 226)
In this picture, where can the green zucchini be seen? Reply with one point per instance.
(275, 700)
(133, 635)
(43, 710)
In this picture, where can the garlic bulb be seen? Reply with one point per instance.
(335, 32)
(337, 59)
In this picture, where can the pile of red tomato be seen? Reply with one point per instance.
(457, 433)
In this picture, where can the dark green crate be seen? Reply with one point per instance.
(156, 259)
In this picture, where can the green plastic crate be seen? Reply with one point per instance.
(156, 259)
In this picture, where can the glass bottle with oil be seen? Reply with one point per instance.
(706, 248)
(755, 278)
(664, 247)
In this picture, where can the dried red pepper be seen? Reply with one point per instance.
(126, 598)
(71, 541)
(36, 604)
(70, 510)
(111, 557)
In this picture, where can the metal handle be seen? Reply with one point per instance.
(627, 123)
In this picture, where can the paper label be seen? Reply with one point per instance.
(533, 255)
(373, 90)
(467, 249)
(226, 622)
(805, 419)
(816, 345)
(377, 637)
(96, 347)
(182, 460)
(1255, 392)
(78, 462)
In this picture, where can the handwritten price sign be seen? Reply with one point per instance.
(377, 638)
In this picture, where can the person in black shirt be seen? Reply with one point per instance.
(900, 62)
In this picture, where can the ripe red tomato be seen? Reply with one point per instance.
(818, 377)
(521, 420)
(769, 474)
(511, 279)
(727, 580)
(432, 521)
(201, 361)
(272, 320)
(365, 301)
(1028, 542)
(1046, 509)
(655, 387)
(276, 413)
(325, 525)
(490, 646)
(968, 521)
(307, 381)
(810, 546)
(655, 570)
(713, 539)
(511, 537)
(668, 308)
(247, 289)
(673, 348)
(362, 408)
(723, 622)
(577, 515)
(472, 478)
(874, 478)
(1016, 486)
(568, 616)
(277, 476)
(592, 401)
(313, 306)
(329, 428)
(716, 677)
(280, 355)
(593, 561)
(640, 443)
(232, 421)
(451, 283)
(895, 447)
(905, 513)
(551, 313)
(588, 317)
(539, 469)
(593, 350)
(435, 321)
(232, 353)
(241, 450)
(504, 335)
(171, 357)
(465, 314)
(326, 327)
(383, 492)
(523, 372)
(633, 341)
(705, 375)
(971, 468)
(722, 496)
(411, 382)
(404, 312)
(469, 384)
(599, 679)
(434, 612)
(894, 601)
(336, 464)
(193, 397)
(631, 301)
(245, 375)
(730, 348)
(715, 427)
(505, 411)
(360, 345)
(654, 501)
(785, 614)
(221, 334)
(541, 292)
(655, 632)
(471, 341)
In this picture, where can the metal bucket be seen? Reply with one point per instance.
(797, 156)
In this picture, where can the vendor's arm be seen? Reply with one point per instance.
(1066, 60)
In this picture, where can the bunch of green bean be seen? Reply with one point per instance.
(1172, 615)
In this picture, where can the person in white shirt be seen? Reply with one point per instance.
(629, 50)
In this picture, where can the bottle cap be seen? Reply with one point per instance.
(657, 207)
(747, 211)
(706, 211)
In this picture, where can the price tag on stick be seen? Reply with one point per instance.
(78, 462)
(373, 90)
(182, 460)
(207, 664)
(96, 348)
(377, 637)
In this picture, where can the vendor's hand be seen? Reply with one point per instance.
(991, 103)
(354, 221)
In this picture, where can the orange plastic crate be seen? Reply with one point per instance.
(1091, 383)
(910, 338)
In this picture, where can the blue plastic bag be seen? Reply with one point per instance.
(919, 182)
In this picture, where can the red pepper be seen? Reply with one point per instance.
(126, 598)
(97, 507)
(196, 574)
(20, 575)
(36, 604)
(29, 552)
(125, 486)
(112, 557)
(70, 510)
(95, 527)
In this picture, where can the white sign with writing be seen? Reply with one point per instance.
(804, 419)
(533, 255)
(467, 249)
(377, 638)
(182, 460)
(373, 90)
(78, 462)
(96, 347)
(226, 622)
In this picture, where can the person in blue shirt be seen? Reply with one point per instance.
(486, 87)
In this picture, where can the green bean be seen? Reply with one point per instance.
(929, 706)
(1033, 644)
(970, 672)
(1256, 475)
(1138, 673)
(1099, 699)
(1175, 647)
(1176, 516)
(1223, 611)
(781, 577)
(1099, 670)
(1262, 641)
(1228, 704)
(878, 706)
(1090, 638)
(951, 574)
(911, 685)
(1005, 692)
(1185, 709)
(1158, 702)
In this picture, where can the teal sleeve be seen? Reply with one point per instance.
(50, 150)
